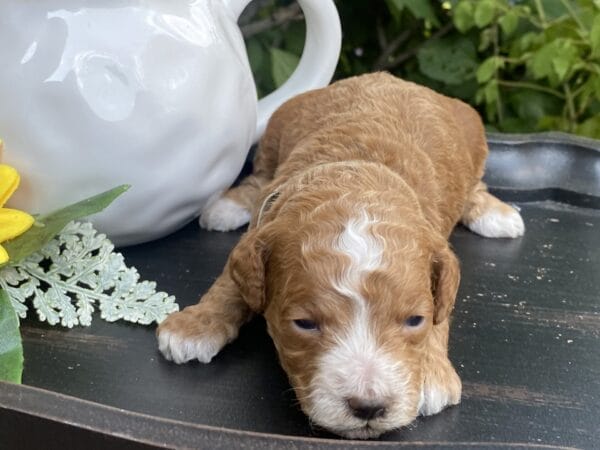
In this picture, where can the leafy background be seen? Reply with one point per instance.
(526, 65)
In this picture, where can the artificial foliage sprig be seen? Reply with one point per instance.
(11, 347)
(65, 271)
(77, 273)
(46, 227)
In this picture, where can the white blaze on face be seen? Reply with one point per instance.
(356, 366)
(366, 254)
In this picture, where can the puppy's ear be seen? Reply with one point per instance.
(247, 269)
(445, 277)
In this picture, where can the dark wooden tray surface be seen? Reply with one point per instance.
(525, 340)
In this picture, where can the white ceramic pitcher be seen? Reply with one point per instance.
(153, 93)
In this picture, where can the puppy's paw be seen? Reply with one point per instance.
(185, 336)
(499, 223)
(223, 214)
(180, 349)
(441, 389)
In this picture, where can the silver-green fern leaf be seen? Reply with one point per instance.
(77, 273)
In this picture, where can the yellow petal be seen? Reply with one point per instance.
(9, 181)
(13, 223)
(3, 255)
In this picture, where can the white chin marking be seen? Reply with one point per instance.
(223, 214)
(497, 224)
(180, 350)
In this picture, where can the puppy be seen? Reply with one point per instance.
(356, 188)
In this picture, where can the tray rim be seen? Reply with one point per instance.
(553, 137)
(147, 429)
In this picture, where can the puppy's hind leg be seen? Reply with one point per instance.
(233, 209)
(201, 331)
(487, 216)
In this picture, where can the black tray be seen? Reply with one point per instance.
(525, 340)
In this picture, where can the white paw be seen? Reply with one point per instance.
(498, 224)
(180, 350)
(223, 214)
(433, 400)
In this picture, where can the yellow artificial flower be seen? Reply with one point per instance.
(13, 223)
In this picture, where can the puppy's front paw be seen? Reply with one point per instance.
(441, 388)
(180, 349)
(496, 223)
(188, 335)
(223, 214)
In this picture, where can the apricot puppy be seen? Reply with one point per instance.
(356, 188)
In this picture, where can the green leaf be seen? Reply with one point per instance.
(561, 66)
(512, 124)
(394, 11)
(530, 105)
(590, 128)
(554, 9)
(554, 61)
(539, 64)
(595, 36)
(463, 16)
(484, 13)
(491, 92)
(420, 9)
(553, 123)
(294, 38)
(260, 62)
(508, 23)
(525, 43)
(486, 37)
(488, 68)
(283, 64)
(465, 91)
(568, 57)
(590, 89)
(489, 95)
(256, 53)
(48, 226)
(11, 348)
(452, 60)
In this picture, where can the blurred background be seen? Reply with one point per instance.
(526, 65)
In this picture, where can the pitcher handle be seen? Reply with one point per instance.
(319, 58)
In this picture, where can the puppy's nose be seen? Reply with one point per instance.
(364, 409)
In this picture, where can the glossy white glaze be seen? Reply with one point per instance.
(156, 94)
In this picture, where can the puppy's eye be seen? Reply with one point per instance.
(414, 321)
(306, 324)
